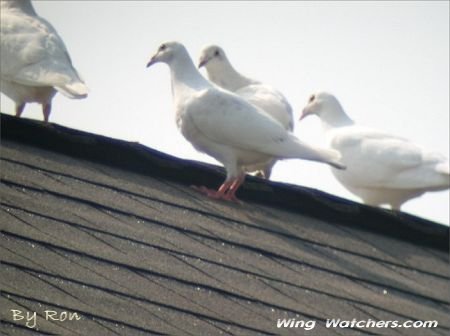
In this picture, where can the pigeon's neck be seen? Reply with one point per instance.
(185, 78)
(224, 75)
(24, 6)
(334, 117)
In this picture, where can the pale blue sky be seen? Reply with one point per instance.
(387, 62)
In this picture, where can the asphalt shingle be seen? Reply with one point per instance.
(112, 231)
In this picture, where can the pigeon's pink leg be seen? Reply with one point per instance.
(231, 193)
(224, 190)
(19, 109)
(46, 109)
(227, 191)
(221, 192)
(214, 193)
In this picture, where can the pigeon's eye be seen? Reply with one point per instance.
(312, 98)
(216, 53)
(162, 47)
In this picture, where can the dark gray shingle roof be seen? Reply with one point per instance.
(111, 230)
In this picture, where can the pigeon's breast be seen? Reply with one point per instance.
(27, 94)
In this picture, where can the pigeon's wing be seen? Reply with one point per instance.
(225, 118)
(271, 101)
(33, 54)
(375, 159)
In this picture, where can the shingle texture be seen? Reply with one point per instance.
(112, 231)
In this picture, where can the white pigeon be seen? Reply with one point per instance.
(227, 127)
(382, 168)
(222, 73)
(35, 63)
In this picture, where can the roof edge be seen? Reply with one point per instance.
(140, 159)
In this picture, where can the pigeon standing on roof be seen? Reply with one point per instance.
(227, 127)
(35, 63)
(222, 73)
(382, 168)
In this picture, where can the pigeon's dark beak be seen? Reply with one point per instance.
(304, 114)
(203, 63)
(151, 62)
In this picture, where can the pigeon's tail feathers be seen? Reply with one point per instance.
(329, 156)
(337, 163)
(305, 151)
(443, 168)
(55, 73)
(74, 90)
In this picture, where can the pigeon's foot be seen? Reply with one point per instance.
(216, 194)
(232, 198)
(204, 190)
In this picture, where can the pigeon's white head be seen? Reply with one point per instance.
(211, 55)
(318, 103)
(167, 52)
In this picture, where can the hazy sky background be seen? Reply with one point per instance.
(387, 63)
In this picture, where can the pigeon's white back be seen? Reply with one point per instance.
(270, 101)
(224, 118)
(33, 54)
(379, 160)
